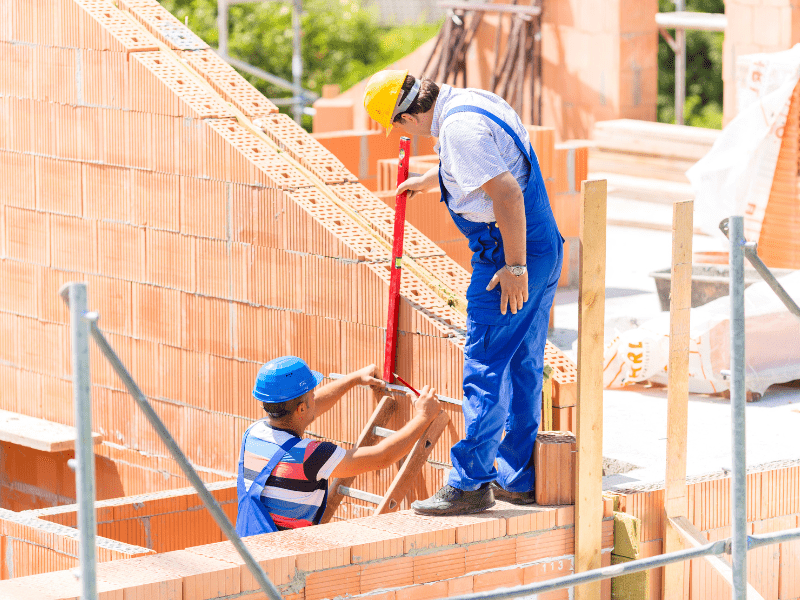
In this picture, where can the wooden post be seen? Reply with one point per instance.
(591, 304)
(675, 498)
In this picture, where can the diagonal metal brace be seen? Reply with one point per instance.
(208, 500)
(751, 252)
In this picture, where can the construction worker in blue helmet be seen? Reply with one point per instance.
(490, 181)
(282, 476)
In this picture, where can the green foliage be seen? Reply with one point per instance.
(703, 107)
(342, 43)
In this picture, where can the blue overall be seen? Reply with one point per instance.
(253, 517)
(504, 354)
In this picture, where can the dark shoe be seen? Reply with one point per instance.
(513, 497)
(452, 501)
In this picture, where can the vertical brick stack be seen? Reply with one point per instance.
(773, 504)
(554, 457)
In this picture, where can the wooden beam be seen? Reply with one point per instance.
(38, 434)
(692, 20)
(591, 304)
(694, 538)
(675, 498)
(533, 11)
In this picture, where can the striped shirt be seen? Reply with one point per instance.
(474, 149)
(295, 489)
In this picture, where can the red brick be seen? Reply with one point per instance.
(498, 579)
(170, 260)
(444, 564)
(121, 251)
(386, 574)
(204, 207)
(107, 192)
(491, 555)
(19, 180)
(157, 314)
(333, 582)
(155, 199)
(73, 244)
(59, 186)
(427, 591)
(27, 235)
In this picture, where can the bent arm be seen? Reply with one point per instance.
(389, 450)
(330, 393)
(509, 212)
(386, 452)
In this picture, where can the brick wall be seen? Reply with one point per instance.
(773, 504)
(394, 556)
(208, 246)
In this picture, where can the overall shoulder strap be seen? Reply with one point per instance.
(258, 484)
(526, 152)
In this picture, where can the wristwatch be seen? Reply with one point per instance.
(517, 269)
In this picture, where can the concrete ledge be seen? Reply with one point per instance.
(38, 433)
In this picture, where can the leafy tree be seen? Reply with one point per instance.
(703, 106)
(342, 43)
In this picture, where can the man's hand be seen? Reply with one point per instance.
(426, 406)
(423, 183)
(513, 289)
(366, 376)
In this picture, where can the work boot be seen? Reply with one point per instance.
(453, 501)
(514, 497)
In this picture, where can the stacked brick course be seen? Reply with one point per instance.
(773, 504)
(394, 556)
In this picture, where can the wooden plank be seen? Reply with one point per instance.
(413, 464)
(675, 497)
(380, 418)
(38, 434)
(695, 538)
(591, 304)
(533, 11)
(696, 21)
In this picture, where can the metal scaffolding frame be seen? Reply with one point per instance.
(84, 323)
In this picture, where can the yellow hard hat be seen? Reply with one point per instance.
(380, 97)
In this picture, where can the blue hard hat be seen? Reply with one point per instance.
(283, 379)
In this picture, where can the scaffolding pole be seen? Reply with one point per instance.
(74, 294)
(738, 402)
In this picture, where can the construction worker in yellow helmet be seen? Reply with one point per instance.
(490, 181)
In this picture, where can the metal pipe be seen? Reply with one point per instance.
(715, 549)
(680, 68)
(297, 61)
(74, 294)
(738, 402)
(208, 500)
(222, 26)
(751, 252)
(767, 539)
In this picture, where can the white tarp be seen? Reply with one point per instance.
(735, 177)
(771, 344)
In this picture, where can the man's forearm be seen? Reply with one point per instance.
(331, 393)
(509, 212)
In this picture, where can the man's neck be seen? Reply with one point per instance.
(284, 426)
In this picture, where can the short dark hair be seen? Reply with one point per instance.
(428, 93)
(278, 410)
